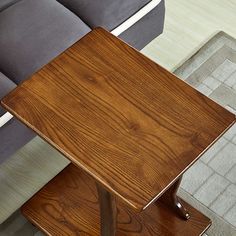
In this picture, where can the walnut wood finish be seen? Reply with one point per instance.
(171, 199)
(128, 122)
(69, 205)
(108, 211)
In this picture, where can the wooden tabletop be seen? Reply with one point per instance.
(125, 120)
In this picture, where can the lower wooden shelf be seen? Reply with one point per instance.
(68, 205)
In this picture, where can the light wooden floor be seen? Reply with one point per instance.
(189, 24)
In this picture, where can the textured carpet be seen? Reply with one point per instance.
(210, 184)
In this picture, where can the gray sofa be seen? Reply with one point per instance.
(33, 32)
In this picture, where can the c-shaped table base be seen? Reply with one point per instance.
(171, 199)
(108, 209)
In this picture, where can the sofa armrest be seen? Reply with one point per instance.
(135, 18)
(6, 85)
(104, 13)
(5, 118)
(13, 134)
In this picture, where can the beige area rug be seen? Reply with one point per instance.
(209, 185)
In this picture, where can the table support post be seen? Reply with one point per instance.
(108, 212)
(171, 199)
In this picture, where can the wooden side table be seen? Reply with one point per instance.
(130, 125)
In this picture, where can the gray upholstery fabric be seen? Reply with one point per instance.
(146, 29)
(32, 33)
(6, 3)
(13, 135)
(6, 85)
(105, 13)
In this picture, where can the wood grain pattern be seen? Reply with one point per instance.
(68, 205)
(127, 121)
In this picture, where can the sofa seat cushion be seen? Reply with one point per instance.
(6, 3)
(32, 33)
(105, 13)
(13, 135)
(6, 85)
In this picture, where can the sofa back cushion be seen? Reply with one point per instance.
(6, 3)
(32, 33)
(105, 13)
